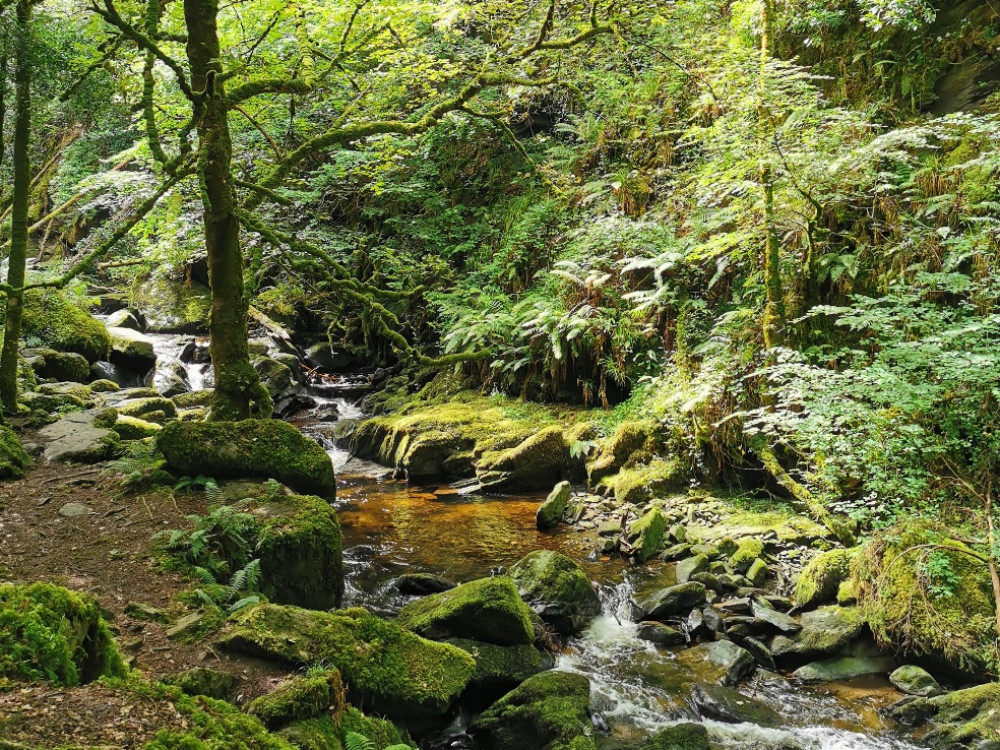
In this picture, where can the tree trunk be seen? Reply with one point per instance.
(238, 392)
(774, 311)
(19, 209)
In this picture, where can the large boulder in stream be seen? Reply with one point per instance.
(551, 511)
(132, 350)
(546, 712)
(488, 610)
(387, 669)
(501, 668)
(721, 662)
(962, 719)
(673, 601)
(60, 366)
(821, 578)
(532, 465)
(557, 589)
(825, 632)
(726, 704)
(263, 448)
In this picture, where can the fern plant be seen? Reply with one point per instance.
(355, 741)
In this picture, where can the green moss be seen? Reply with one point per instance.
(62, 366)
(680, 737)
(546, 712)
(202, 681)
(193, 399)
(300, 552)
(263, 448)
(500, 668)
(488, 609)
(747, 550)
(148, 407)
(531, 464)
(928, 602)
(299, 698)
(192, 415)
(132, 428)
(647, 534)
(557, 589)
(64, 326)
(104, 386)
(821, 578)
(615, 453)
(642, 483)
(13, 458)
(50, 633)
(386, 668)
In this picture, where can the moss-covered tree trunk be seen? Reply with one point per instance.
(238, 392)
(19, 209)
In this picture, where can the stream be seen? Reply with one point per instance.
(390, 527)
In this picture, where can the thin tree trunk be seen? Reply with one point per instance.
(19, 210)
(238, 392)
(774, 312)
(991, 540)
(3, 104)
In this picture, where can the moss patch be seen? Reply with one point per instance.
(928, 602)
(299, 698)
(386, 668)
(821, 579)
(645, 482)
(50, 633)
(263, 448)
(13, 458)
(557, 589)
(488, 609)
(63, 325)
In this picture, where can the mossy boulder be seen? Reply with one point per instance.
(13, 458)
(386, 668)
(488, 610)
(132, 350)
(174, 306)
(194, 399)
(617, 452)
(673, 601)
(151, 408)
(719, 662)
(501, 668)
(62, 366)
(639, 484)
(53, 318)
(202, 681)
(531, 465)
(550, 512)
(914, 680)
(647, 535)
(963, 718)
(53, 634)
(546, 712)
(747, 551)
(133, 428)
(299, 698)
(557, 589)
(321, 733)
(930, 602)
(262, 448)
(80, 437)
(826, 631)
(685, 736)
(300, 552)
(820, 581)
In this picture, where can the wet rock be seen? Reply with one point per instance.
(132, 349)
(913, 680)
(548, 710)
(557, 589)
(202, 681)
(76, 437)
(645, 536)
(691, 566)
(712, 619)
(422, 584)
(676, 552)
(779, 621)
(322, 356)
(262, 448)
(660, 634)
(844, 668)
(825, 632)
(551, 511)
(487, 610)
(125, 318)
(673, 601)
(501, 668)
(725, 704)
(687, 736)
(695, 623)
(760, 652)
(171, 379)
(722, 662)
(968, 718)
(709, 581)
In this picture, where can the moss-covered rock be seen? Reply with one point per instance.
(646, 536)
(132, 349)
(194, 399)
(202, 681)
(533, 464)
(253, 448)
(644, 482)
(631, 439)
(826, 631)
(61, 324)
(487, 610)
(546, 712)
(62, 366)
(550, 512)
(686, 736)
(501, 668)
(963, 718)
(930, 602)
(80, 437)
(820, 581)
(13, 458)
(300, 552)
(133, 428)
(557, 589)
(299, 698)
(747, 550)
(50, 633)
(150, 408)
(323, 734)
(174, 306)
(386, 668)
